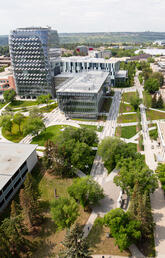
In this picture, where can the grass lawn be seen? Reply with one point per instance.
(51, 238)
(154, 115)
(124, 108)
(16, 136)
(94, 127)
(153, 134)
(49, 108)
(106, 105)
(22, 103)
(51, 132)
(147, 99)
(128, 131)
(100, 244)
(129, 118)
(128, 95)
(2, 105)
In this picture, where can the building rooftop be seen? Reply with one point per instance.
(88, 59)
(12, 156)
(161, 128)
(87, 82)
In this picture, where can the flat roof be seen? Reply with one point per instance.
(86, 82)
(12, 156)
(88, 59)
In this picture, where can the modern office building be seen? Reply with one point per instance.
(76, 64)
(34, 52)
(16, 161)
(82, 96)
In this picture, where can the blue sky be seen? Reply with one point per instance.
(84, 15)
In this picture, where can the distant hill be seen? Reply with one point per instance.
(3, 40)
(109, 37)
(103, 37)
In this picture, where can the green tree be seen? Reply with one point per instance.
(154, 102)
(151, 85)
(76, 246)
(112, 149)
(18, 119)
(124, 229)
(44, 99)
(6, 122)
(87, 191)
(159, 76)
(133, 171)
(29, 201)
(9, 95)
(33, 126)
(81, 156)
(135, 101)
(64, 212)
(160, 102)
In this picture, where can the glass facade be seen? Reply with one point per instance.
(81, 105)
(31, 50)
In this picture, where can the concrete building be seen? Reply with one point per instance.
(34, 52)
(77, 64)
(16, 161)
(83, 50)
(82, 96)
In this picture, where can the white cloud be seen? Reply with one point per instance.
(84, 15)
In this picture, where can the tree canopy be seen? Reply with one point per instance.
(112, 149)
(9, 95)
(124, 229)
(85, 190)
(64, 212)
(135, 170)
(33, 126)
(151, 85)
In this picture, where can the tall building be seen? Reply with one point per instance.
(35, 56)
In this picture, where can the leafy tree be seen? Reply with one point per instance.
(135, 101)
(56, 160)
(133, 171)
(6, 122)
(151, 85)
(44, 99)
(159, 76)
(18, 119)
(76, 246)
(124, 229)
(81, 156)
(85, 190)
(140, 210)
(35, 112)
(154, 102)
(161, 174)
(112, 149)
(64, 212)
(29, 202)
(9, 95)
(33, 126)
(160, 102)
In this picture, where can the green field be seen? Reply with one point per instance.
(129, 118)
(128, 131)
(94, 127)
(154, 115)
(49, 108)
(124, 108)
(22, 103)
(51, 133)
(128, 95)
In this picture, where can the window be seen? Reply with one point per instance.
(9, 193)
(1, 203)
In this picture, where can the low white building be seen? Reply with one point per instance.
(16, 161)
